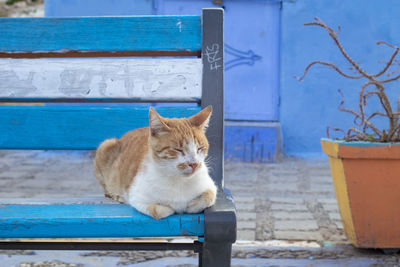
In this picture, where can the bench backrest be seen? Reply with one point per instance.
(35, 74)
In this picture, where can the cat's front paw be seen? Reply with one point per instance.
(205, 200)
(158, 211)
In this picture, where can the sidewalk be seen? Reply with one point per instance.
(287, 213)
(291, 200)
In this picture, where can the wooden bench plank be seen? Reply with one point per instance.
(73, 127)
(118, 78)
(92, 220)
(94, 34)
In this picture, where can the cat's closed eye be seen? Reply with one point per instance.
(180, 151)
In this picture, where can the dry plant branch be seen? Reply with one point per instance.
(363, 121)
(333, 35)
(326, 64)
(388, 64)
(392, 134)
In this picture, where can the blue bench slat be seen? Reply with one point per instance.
(73, 127)
(142, 33)
(92, 220)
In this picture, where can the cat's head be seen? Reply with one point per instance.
(179, 145)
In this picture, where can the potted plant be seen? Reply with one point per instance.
(365, 162)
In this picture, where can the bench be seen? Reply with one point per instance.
(59, 81)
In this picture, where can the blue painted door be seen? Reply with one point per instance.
(251, 54)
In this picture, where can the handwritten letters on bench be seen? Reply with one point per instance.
(213, 56)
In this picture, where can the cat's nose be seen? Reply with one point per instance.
(193, 165)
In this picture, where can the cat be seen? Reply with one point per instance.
(159, 170)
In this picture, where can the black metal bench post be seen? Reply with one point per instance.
(219, 220)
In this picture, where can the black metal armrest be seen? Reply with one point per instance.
(220, 219)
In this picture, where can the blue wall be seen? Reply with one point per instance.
(62, 8)
(308, 107)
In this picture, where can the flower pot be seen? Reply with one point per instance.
(366, 177)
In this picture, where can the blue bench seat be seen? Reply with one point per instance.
(91, 220)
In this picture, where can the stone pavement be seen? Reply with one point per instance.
(287, 213)
(291, 200)
(269, 254)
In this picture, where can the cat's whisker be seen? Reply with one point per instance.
(210, 163)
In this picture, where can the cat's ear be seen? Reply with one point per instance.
(202, 118)
(157, 126)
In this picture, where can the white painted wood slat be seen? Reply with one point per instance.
(98, 78)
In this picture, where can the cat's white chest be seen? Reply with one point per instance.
(151, 186)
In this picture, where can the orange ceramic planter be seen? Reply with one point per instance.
(366, 177)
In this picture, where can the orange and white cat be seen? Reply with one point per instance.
(159, 169)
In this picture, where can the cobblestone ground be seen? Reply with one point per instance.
(287, 213)
(292, 200)
(21, 8)
(243, 255)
